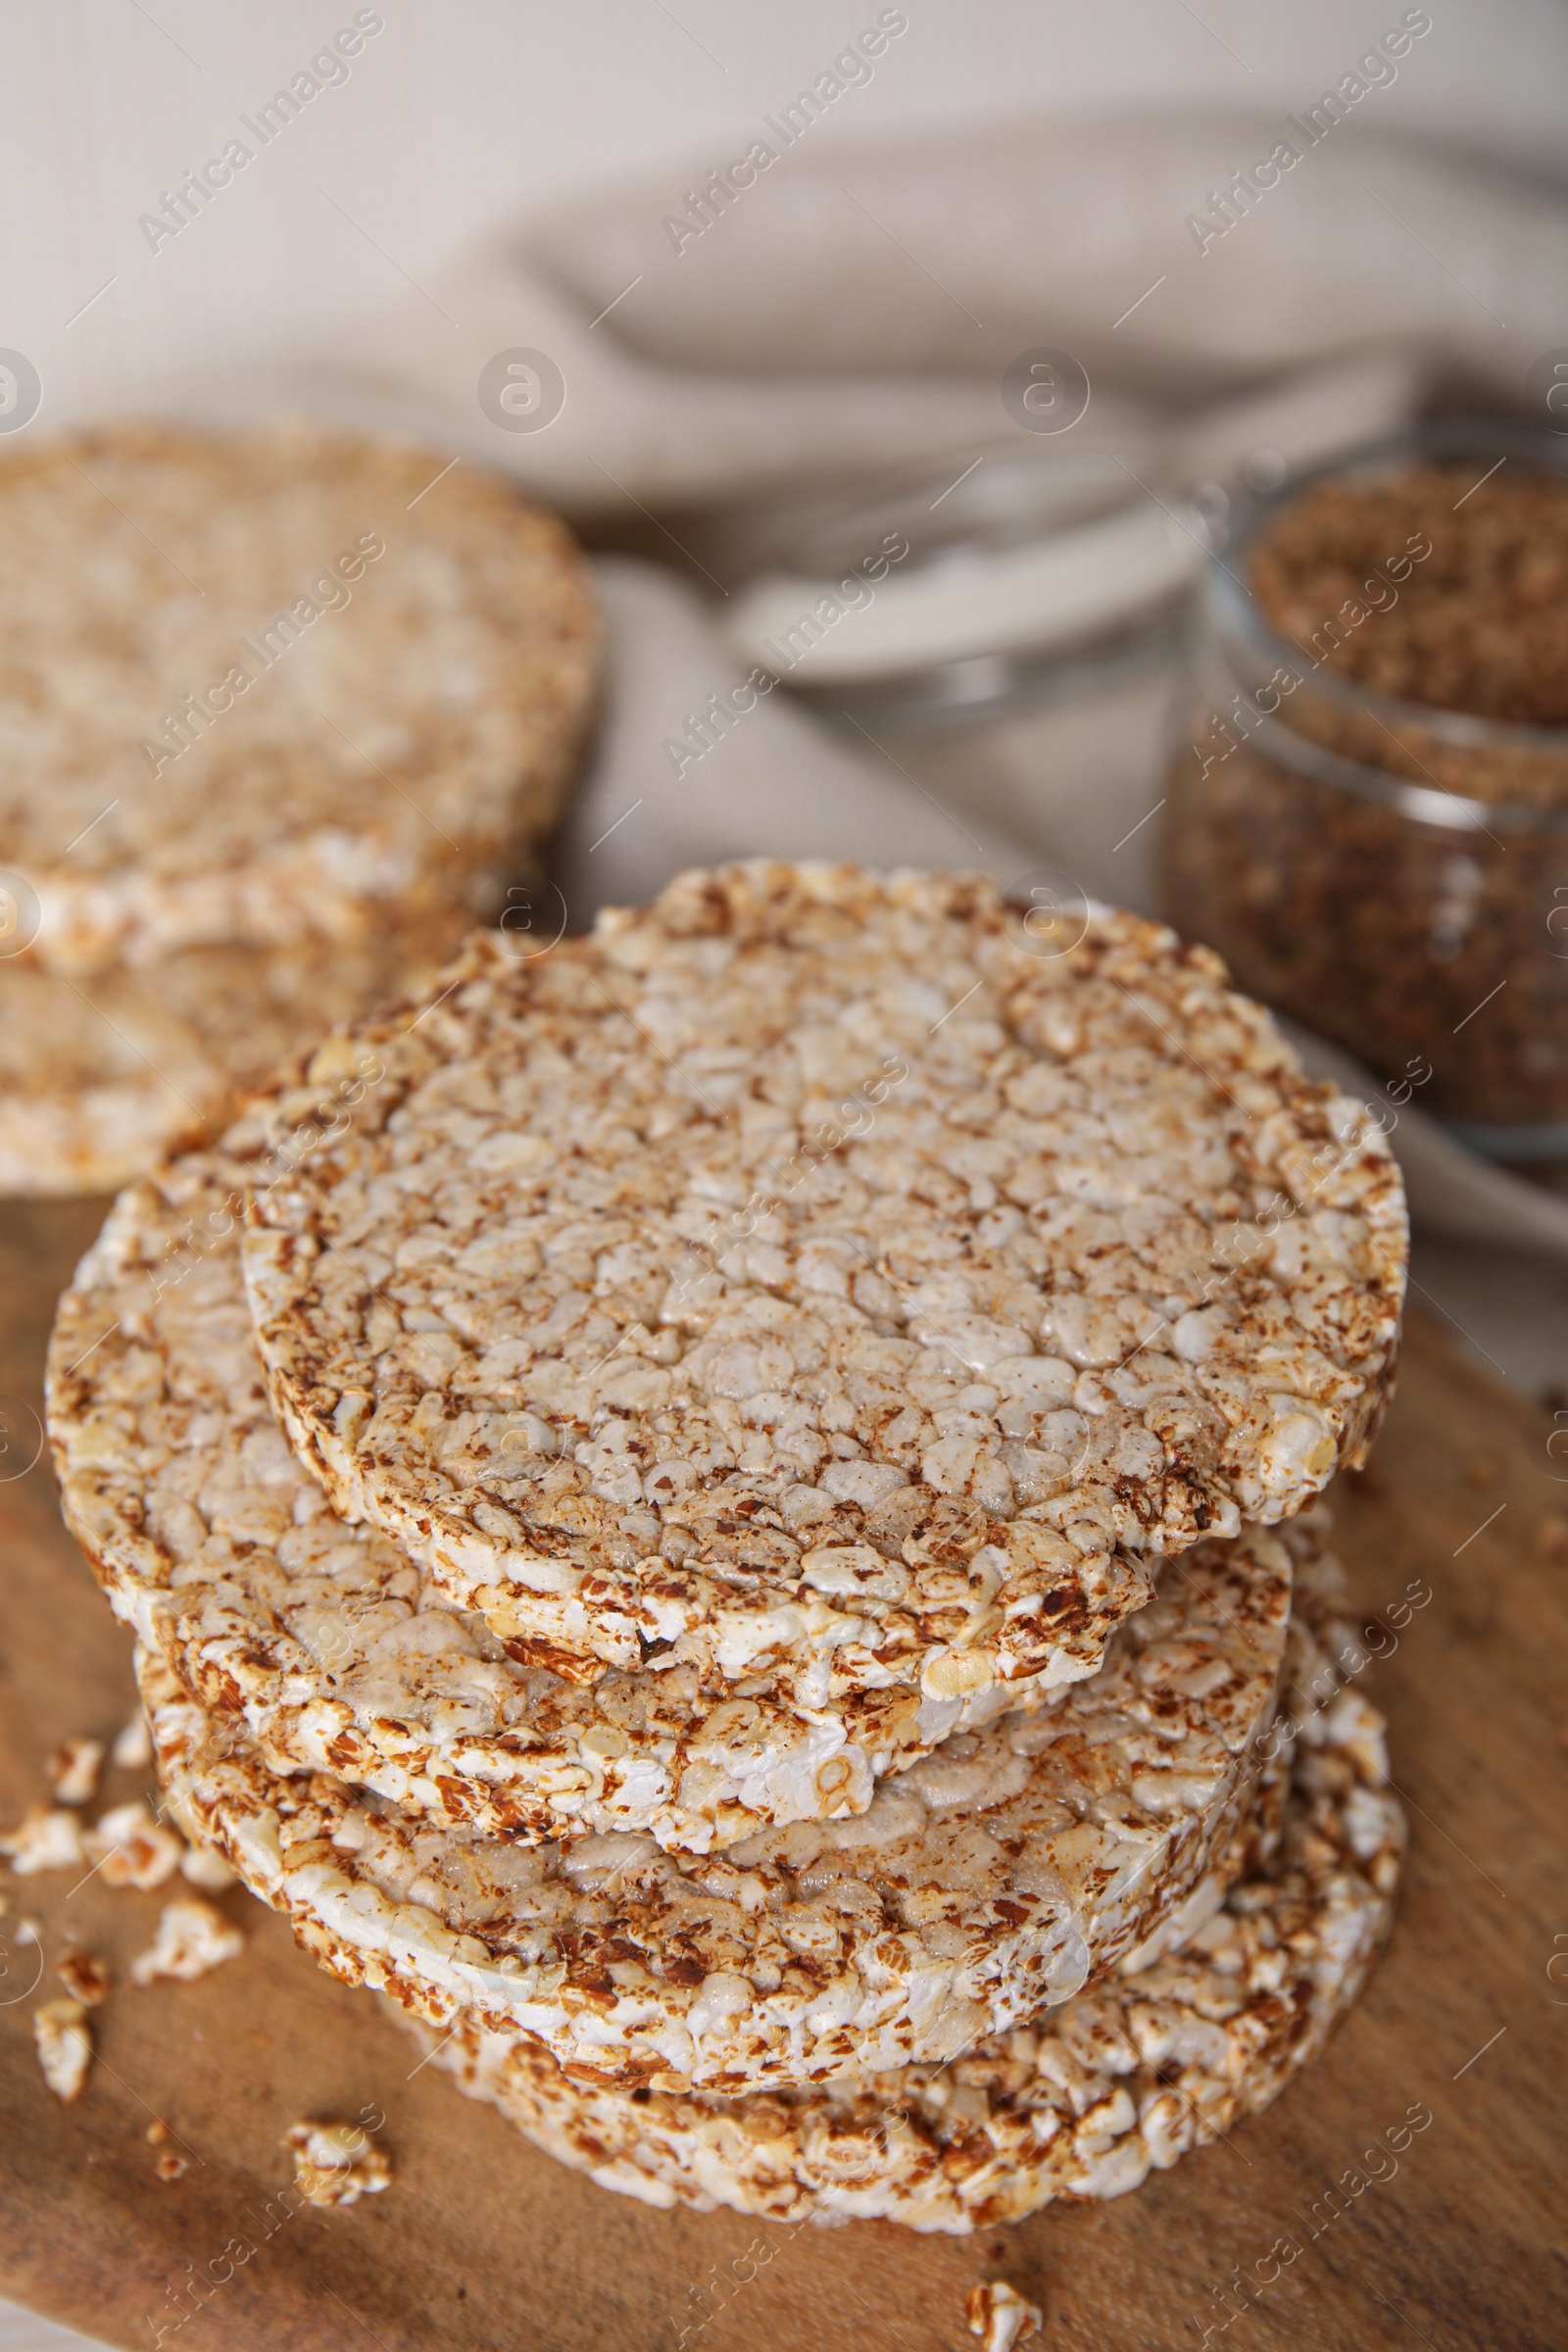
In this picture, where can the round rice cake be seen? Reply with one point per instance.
(266, 688)
(338, 1652)
(983, 1884)
(1167, 2055)
(803, 1274)
(102, 1073)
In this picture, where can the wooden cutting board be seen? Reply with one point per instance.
(482, 2242)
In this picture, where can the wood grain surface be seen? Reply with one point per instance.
(482, 2242)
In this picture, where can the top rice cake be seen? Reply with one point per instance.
(263, 688)
(804, 1280)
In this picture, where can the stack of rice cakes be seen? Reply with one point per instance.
(279, 712)
(740, 1543)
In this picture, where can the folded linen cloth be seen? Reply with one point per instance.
(855, 310)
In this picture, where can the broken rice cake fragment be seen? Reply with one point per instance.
(64, 2040)
(84, 1976)
(337, 2163)
(73, 1771)
(133, 1849)
(192, 1939)
(1000, 2317)
(46, 1837)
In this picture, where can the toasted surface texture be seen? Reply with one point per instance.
(983, 1883)
(1167, 2055)
(373, 691)
(338, 1654)
(804, 1276)
(103, 1073)
(1127, 2076)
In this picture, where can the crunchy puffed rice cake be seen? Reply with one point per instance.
(103, 1072)
(1077, 1269)
(273, 686)
(1133, 2073)
(340, 1655)
(984, 1883)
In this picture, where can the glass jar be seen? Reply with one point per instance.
(1392, 874)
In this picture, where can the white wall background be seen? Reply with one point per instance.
(463, 112)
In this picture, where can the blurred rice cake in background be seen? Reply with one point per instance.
(279, 713)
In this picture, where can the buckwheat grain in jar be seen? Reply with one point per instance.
(1369, 812)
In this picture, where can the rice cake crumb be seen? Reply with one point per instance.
(74, 1770)
(203, 1866)
(1000, 2317)
(337, 2163)
(47, 1837)
(84, 1976)
(64, 2040)
(133, 1849)
(134, 1745)
(170, 2163)
(192, 1939)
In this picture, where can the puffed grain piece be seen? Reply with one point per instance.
(61, 2034)
(1166, 2055)
(192, 1939)
(805, 1278)
(985, 1882)
(1000, 2317)
(331, 1648)
(337, 2163)
(46, 1837)
(273, 687)
(74, 1770)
